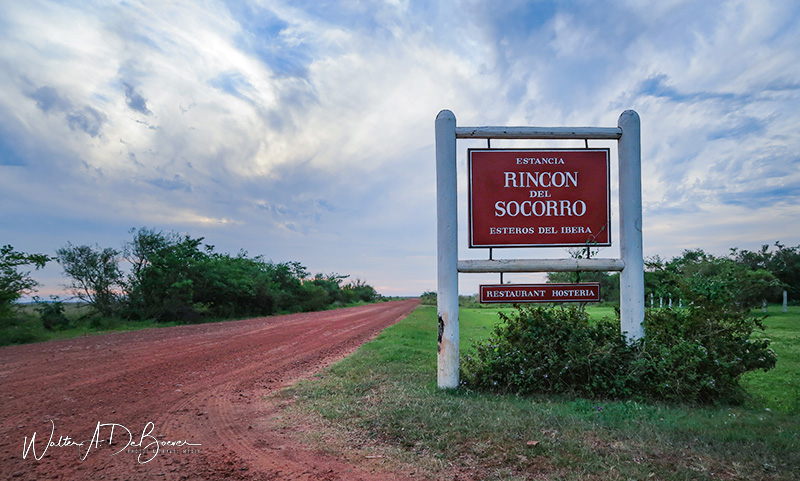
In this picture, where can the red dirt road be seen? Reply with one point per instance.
(201, 384)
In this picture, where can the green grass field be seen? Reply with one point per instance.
(779, 389)
(382, 404)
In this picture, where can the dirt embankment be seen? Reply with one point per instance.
(195, 392)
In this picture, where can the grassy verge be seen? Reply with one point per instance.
(382, 406)
(26, 326)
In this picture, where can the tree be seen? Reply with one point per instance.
(13, 283)
(661, 278)
(331, 285)
(154, 275)
(95, 273)
(699, 277)
(166, 271)
(358, 290)
(783, 262)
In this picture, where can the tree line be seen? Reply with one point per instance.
(745, 278)
(176, 277)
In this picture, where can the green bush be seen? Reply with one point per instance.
(52, 315)
(690, 355)
(315, 298)
(16, 333)
(359, 291)
(18, 328)
(548, 350)
(13, 283)
(428, 298)
(700, 353)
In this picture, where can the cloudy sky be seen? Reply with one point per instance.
(303, 130)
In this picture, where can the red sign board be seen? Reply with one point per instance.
(539, 198)
(513, 293)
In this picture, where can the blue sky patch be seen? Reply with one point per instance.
(8, 152)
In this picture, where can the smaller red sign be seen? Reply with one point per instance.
(513, 293)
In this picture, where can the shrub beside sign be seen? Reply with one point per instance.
(539, 198)
(511, 293)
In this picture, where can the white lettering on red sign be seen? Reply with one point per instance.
(544, 198)
(584, 292)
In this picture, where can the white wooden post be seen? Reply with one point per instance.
(785, 301)
(447, 249)
(631, 279)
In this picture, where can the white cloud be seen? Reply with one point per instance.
(308, 128)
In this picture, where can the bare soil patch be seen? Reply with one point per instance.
(204, 384)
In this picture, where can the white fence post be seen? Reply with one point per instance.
(785, 302)
(630, 225)
(447, 249)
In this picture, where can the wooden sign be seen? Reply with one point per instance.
(514, 293)
(539, 198)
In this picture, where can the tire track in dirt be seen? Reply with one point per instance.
(205, 384)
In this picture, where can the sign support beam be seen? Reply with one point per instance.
(607, 133)
(540, 265)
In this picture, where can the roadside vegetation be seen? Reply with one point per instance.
(556, 393)
(382, 408)
(168, 279)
